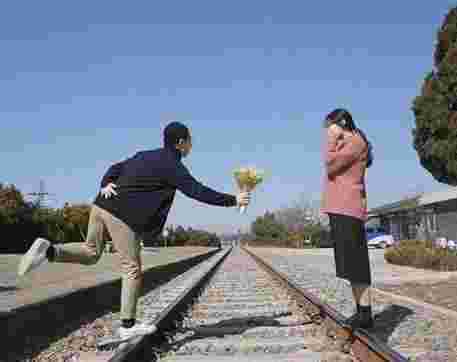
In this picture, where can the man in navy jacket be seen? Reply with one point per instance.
(135, 198)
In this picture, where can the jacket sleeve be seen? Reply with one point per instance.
(181, 179)
(338, 159)
(113, 173)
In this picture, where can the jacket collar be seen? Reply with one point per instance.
(174, 152)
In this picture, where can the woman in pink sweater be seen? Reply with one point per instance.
(347, 155)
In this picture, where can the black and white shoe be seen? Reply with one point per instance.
(34, 257)
(139, 329)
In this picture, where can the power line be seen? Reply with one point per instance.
(40, 195)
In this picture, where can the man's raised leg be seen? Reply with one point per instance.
(86, 253)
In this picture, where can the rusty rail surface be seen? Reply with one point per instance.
(364, 346)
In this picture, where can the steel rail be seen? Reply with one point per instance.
(365, 347)
(141, 348)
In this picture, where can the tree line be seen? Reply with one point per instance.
(22, 221)
(180, 236)
(296, 226)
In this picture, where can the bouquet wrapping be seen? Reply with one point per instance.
(247, 178)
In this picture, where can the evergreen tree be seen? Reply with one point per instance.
(435, 109)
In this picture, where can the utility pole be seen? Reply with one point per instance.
(308, 221)
(40, 195)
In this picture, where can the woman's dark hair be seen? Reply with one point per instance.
(370, 147)
(343, 118)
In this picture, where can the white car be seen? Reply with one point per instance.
(377, 237)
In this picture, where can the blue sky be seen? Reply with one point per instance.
(85, 84)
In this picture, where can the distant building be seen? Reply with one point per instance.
(226, 243)
(427, 216)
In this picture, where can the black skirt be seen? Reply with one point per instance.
(350, 249)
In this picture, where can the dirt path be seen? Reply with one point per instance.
(441, 293)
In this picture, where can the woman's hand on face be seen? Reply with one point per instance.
(336, 137)
(335, 131)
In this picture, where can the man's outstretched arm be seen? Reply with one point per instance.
(182, 180)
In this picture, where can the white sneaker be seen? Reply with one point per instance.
(138, 329)
(34, 257)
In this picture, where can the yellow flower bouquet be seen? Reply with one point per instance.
(247, 178)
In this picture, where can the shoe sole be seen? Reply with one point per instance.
(116, 340)
(126, 338)
(137, 335)
(29, 256)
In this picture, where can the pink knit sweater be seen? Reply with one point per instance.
(344, 179)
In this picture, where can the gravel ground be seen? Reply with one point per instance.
(441, 293)
(409, 329)
(246, 315)
(246, 293)
(77, 340)
(82, 344)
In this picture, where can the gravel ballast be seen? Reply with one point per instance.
(246, 315)
(74, 337)
(408, 328)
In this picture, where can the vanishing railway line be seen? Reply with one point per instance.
(234, 306)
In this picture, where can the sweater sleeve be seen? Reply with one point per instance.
(338, 159)
(181, 179)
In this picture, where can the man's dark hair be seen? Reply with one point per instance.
(173, 132)
(343, 118)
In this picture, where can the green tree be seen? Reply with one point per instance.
(435, 109)
(18, 224)
(76, 219)
(267, 228)
(180, 236)
(52, 224)
(13, 207)
(317, 233)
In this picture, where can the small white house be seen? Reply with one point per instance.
(426, 216)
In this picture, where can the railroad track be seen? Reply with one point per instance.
(236, 307)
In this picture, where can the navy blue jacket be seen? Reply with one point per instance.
(146, 186)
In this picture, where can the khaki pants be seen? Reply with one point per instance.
(124, 240)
